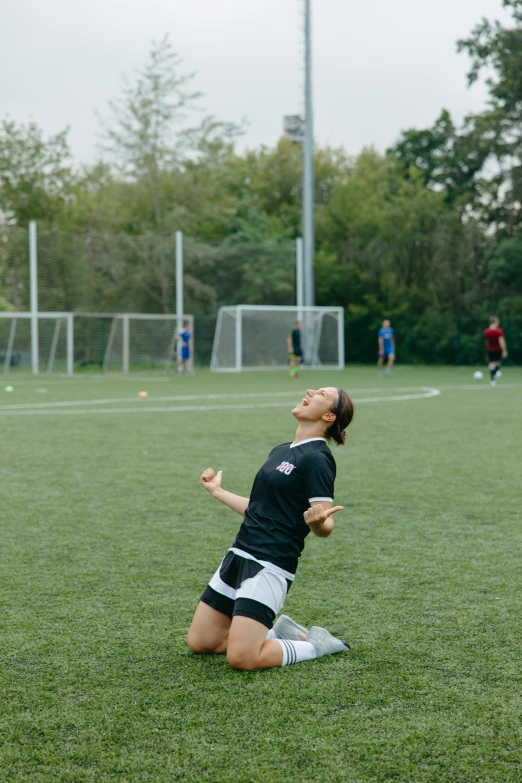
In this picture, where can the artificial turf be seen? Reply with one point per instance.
(107, 542)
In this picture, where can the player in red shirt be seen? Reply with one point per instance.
(496, 347)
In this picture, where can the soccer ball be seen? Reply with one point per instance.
(478, 376)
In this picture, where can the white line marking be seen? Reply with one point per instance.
(428, 392)
(147, 400)
(183, 398)
(85, 379)
(149, 404)
(481, 387)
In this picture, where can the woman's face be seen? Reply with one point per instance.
(317, 405)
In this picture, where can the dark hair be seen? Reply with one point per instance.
(343, 409)
(186, 323)
(493, 318)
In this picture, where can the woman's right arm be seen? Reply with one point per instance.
(212, 483)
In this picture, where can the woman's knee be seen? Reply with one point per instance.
(198, 644)
(242, 658)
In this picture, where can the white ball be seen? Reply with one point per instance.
(478, 376)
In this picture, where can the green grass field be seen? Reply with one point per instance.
(107, 542)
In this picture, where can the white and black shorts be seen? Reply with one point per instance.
(248, 587)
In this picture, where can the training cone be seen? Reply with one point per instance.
(8, 388)
(143, 394)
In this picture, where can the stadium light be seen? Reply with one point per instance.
(294, 128)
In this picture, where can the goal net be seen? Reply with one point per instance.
(109, 341)
(140, 341)
(55, 342)
(254, 337)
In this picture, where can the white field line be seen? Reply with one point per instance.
(146, 400)
(479, 387)
(427, 392)
(416, 392)
(180, 398)
(58, 378)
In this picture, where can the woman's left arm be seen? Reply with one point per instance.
(319, 518)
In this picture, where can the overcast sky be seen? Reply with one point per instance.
(380, 66)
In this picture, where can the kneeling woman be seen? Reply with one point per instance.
(292, 494)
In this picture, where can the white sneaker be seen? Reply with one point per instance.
(493, 383)
(325, 643)
(286, 628)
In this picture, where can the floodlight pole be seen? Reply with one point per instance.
(33, 285)
(308, 166)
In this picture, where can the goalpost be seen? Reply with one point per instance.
(254, 337)
(55, 341)
(113, 341)
(141, 340)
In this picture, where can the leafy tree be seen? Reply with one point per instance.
(36, 178)
(505, 273)
(392, 245)
(147, 133)
(449, 159)
(270, 182)
(498, 50)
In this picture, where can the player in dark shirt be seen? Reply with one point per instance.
(295, 351)
(292, 494)
(496, 347)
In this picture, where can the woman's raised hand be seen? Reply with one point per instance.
(210, 480)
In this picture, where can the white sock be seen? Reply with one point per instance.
(271, 634)
(295, 652)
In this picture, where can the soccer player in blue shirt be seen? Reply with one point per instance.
(386, 342)
(184, 360)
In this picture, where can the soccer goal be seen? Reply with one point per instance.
(254, 337)
(141, 341)
(55, 342)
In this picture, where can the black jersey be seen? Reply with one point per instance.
(296, 340)
(292, 477)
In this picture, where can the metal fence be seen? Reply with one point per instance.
(93, 272)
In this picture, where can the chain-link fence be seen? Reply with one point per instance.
(93, 272)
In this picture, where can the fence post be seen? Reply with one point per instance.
(299, 292)
(239, 339)
(33, 278)
(101, 335)
(125, 343)
(179, 280)
(70, 343)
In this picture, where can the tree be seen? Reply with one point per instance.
(390, 244)
(449, 159)
(147, 134)
(498, 49)
(36, 178)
